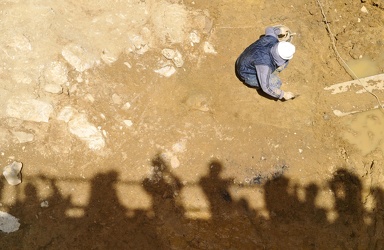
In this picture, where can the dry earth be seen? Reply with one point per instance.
(125, 144)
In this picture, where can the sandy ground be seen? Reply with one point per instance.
(116, 153)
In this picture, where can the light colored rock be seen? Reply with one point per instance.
(126, 106)
(175, 163)
(85, 131)
(56, 73)
(53, 88)
(109, 57)
(44, 204)
(364, 9)
(12, 173)
(128, 123)
(23, 137)
(29, 110)
(166, 71)
(8, 223)
(168, 53)
(209, 49)
(66, 114)
(78, 57)
(194, 37)
(128, 65)
(178, 59)
(139, 44)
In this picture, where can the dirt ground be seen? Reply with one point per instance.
(125, 146)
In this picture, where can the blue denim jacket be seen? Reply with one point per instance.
(256, 64)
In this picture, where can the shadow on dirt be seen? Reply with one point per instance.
(292, 223)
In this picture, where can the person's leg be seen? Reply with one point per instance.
(251, 80)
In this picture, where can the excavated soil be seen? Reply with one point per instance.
(125, 148)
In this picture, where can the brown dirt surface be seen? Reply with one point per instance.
(117, 155)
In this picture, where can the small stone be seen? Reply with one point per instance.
(128, 123)
(8, 223)
(56, 73)
(44, 204)
(128, 65)
(78, 57)
(29, 110)
(194, 37)
(364, 9)
(208, 48)
(108, 57)
(23, 137)
(178, 59)
(166, 71)
(66, 114)
(12, 173)
(126, 106)
(168, 53)
(86, 132)
(53, 88)
(175, 163)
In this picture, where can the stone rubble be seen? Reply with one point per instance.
(12, 173)
(8, 223)
(87, 132)
(29, 109)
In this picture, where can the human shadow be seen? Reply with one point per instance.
(292, 216)
(347, 190)
(164, 187)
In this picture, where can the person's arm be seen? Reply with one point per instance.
(263, 72)
(282, 67)
(272, 31)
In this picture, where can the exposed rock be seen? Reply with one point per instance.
(209, 49)
(23, 137)
(166, 71)
(56, 73)
(12, 173)
(364, 9)
(126, 106)
(128, 123)
(178, 59)
(139, 45)
(194, 37)
(86, 132)
(78, 57)
(44, 204)
(8, 223)
(66, 114)
(29, 110)
(168, 53)
(53, 88)
(109, 57)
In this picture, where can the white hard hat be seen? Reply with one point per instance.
(286, 50)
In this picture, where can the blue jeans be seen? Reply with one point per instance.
(274, 81)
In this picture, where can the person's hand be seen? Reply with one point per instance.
(288, 96)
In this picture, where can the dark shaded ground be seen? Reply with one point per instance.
(293, 224)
